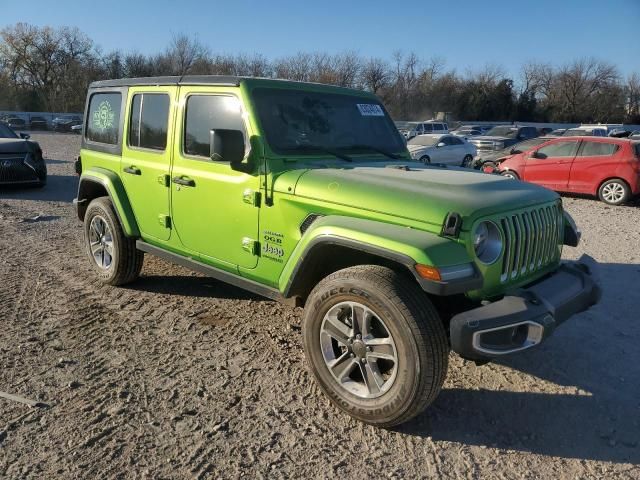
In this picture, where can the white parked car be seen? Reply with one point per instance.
(446, 149)
(412, 129)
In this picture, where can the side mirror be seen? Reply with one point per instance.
(441, 144)
(227, 146)
(25, 136)
(534, 154)
(515, 151)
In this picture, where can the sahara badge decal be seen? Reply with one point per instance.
(272, 245)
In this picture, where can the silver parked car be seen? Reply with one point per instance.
(446, 149)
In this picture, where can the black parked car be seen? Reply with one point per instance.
(16, 123)
(21, 161)
(64, 123)
(39, 123)
(503, 136)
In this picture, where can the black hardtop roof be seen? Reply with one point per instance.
(171, 80)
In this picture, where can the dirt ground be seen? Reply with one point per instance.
(179, 376)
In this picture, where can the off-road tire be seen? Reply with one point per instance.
(127, 261)
(418, 332)
(613, 198)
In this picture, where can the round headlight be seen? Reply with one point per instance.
(487, 242)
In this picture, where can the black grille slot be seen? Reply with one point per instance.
(312, 217)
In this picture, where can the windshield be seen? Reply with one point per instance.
(502, 132)
(6, 132)
(425, 140)
(578, 132)
(306, 123)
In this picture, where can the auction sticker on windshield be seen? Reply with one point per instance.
(370, 110)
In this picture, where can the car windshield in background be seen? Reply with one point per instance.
(424, 140)
(502, 132)
(307, 123)
(577, 132)
(6, 132)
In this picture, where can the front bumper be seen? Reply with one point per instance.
(526, 316)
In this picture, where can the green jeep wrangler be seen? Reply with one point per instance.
(306, 193)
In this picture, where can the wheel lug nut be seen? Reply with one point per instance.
(363, 360)
(358, 336)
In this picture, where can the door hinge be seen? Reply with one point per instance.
(250, 245)
(164, 220)
(164, 180)
(251, 197)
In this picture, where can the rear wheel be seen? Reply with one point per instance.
(614, 192)
(375, 344)
(425, 159)
(510, 174)
(112, 255)
(466, 161)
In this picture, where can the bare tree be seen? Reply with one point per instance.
(183, 53)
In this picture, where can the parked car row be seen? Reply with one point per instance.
(606, 167)
(62, 123)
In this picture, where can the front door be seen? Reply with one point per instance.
(213, 207)
(146, 158)
(551, 165)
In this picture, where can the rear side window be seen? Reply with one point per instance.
(560, 149)
(206, 113)
(103, 119)
(437, 127)
(598, 149)
(149, 121)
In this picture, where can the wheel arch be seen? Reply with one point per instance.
(100, 182)
(610, 177)
(335, 242)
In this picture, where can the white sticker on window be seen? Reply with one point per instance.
(370, 110)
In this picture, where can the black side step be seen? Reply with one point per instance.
(213, 272)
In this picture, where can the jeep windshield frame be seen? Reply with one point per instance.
(294, 121)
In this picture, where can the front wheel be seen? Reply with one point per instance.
(510, 174)
(425, 159)
(375, 344)
(614, 192)
(467, 161)
(112, 255)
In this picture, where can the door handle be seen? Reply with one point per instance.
(132, 170)
(187, 182)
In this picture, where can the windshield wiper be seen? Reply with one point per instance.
(320, 148)
(381, 151)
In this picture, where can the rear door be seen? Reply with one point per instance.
(551, 165)
(146, 157)
(596, 159)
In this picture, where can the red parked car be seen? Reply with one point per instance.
(606, 167)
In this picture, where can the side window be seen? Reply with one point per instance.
(456, 141)
(103, 120)
(437, 127)
(149, 121)
(560, 149)
(598, 149)
(428, 128)
(446, 140)
(205, 113)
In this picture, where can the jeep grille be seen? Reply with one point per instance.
(532, 241)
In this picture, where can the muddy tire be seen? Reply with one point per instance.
(112, 255)
(375, 344)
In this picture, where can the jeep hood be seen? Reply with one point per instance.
(420, 193)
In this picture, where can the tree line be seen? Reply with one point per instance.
(49, 69)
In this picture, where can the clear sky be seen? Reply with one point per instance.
(467, 34)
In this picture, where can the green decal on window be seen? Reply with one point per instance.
(103, 117)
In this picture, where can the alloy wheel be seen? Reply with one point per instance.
(613, 192)
(101, 242)
(358, 349)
